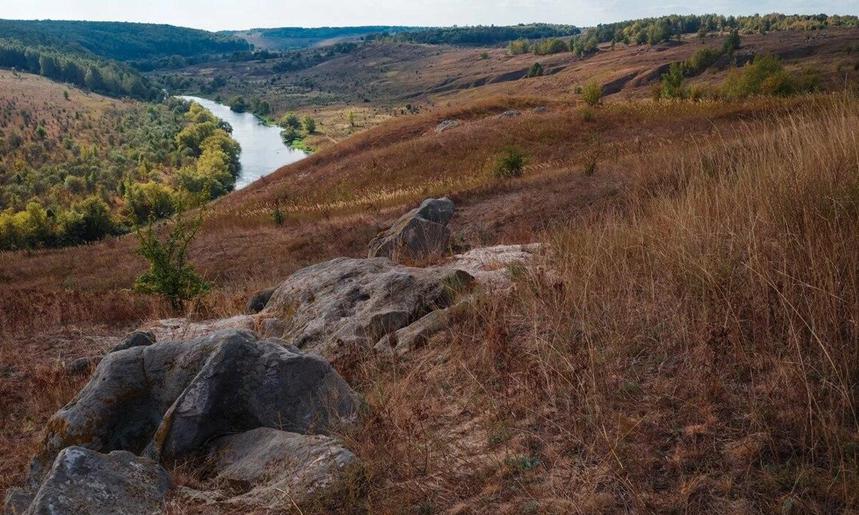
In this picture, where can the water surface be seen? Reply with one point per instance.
(263, 150)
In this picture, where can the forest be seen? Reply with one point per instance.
(479, 35)
(98, 174)
(121, 41)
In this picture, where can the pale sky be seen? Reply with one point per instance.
(243, 14)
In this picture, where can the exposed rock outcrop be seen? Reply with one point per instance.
(169, 399)
(418, 234)
(343, 304)
(82, 481)
(267, 469)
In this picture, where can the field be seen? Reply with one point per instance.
(690, 331)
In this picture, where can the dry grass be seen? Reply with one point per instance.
(688, 345)
(693, 350)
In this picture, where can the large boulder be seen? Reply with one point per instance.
(169, 399)
(418, 234)
(82, 481)
(274, 470)
(345, 304)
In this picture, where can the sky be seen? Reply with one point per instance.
(244, 14)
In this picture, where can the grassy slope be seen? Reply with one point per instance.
(695, 348)
(377, 81)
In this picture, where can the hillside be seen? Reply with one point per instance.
(291, 38)
(681, 335)
(76, 166)
(134, 42)
(379, 81)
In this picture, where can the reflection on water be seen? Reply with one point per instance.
(263, 150)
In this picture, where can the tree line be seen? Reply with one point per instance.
(93, 74)
(479, 35)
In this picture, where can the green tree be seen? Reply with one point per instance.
(672, 82)
(536, 70)
(309, 125)
(732, 42)
(170, 274)
(290, 120)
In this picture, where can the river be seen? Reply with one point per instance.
(263, 150)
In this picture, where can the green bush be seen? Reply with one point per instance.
(671, 84)
(88, 220)
(148, 201)
(519, 46)
(170, 274)
(536, 70)
(511, 163)
(309, 125)
(592, 93)
(766, 76)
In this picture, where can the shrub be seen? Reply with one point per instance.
(671, 85)
(701, 60)
(519, 46)
(550, 46)
(148, 201)
(511, 163)
(592, 93)
(88, 220)
(536, 70)
(766, 76)
(290, 120)
(170, 274)
(732, 42)
(309, 125)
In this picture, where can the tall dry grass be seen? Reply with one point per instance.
(695, 349)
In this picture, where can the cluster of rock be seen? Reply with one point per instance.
(254, 397)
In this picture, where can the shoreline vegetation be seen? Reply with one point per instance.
(157, 159)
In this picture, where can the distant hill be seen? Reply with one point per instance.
(121, 41)
(291, 38)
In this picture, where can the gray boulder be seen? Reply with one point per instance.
(167, 400)
(419, 333)
(135, 339)
(418, 234)
(258, 301)
(348, 304)
(82, 481)
(271, 469)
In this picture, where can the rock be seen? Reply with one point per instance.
(258, 301)
(82, 366)
(418, 234)
(418, 333)
(492, 266)
(168, 399)
(273, 469)
(344, 304)
(445, 125)
(135, 339)
(438, 210)
(83, 481)
(183, 329)
(510, 114)
(540, 109)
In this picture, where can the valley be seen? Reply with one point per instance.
(661, 316)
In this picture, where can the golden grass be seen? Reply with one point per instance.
(693, 350)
